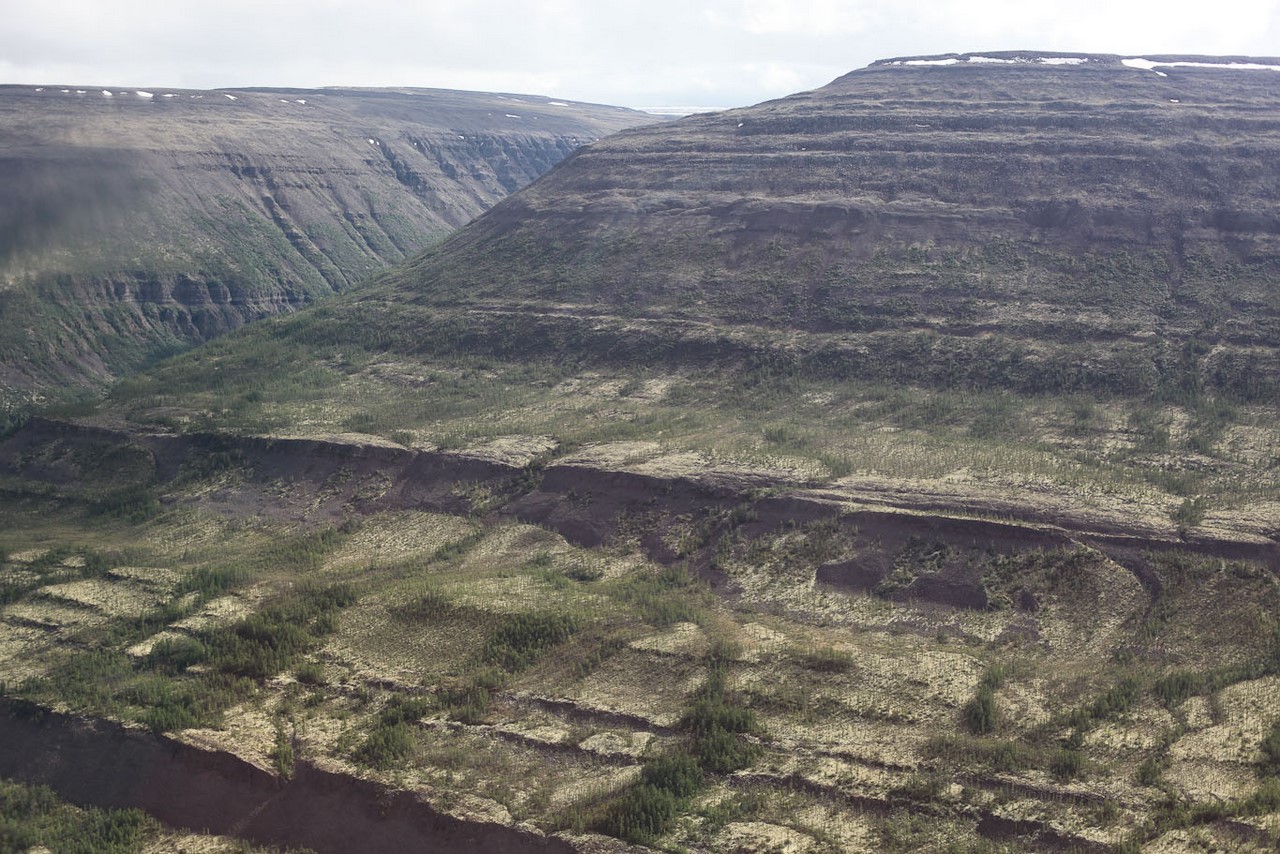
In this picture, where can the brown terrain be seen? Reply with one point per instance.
(135, 222)
(889, 467)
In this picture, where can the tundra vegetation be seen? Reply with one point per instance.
(854, 502)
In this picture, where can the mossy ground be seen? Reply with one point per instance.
(507, 673)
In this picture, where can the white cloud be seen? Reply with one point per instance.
(663, 51)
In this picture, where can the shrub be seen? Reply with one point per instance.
(980, 713)
(1066, 764)
(1271, 751)
(175, 655)
(386, 745)
(677, 773)
(641, 815)
(430, 606)
(310, 673)
(522, 639)
(826, 660)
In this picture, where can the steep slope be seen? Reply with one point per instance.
(1024, 221)
(134, 221)
(1020, 280)
(710, 495)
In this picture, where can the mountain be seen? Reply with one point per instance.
(890, 467)
(138, 221)
(1019, 220)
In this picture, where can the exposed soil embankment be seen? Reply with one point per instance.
(99, 763)
(325, 479)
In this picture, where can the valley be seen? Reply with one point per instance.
(888, 467)
(137, 223)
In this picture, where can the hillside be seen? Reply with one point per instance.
(134, 222)
(890, 467)
(1032, 225)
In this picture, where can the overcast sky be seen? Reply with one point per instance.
(656, 52)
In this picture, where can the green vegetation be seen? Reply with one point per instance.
(981, 714)
(33, 817)
(163, 691)
(524, 638)
(1271, 751)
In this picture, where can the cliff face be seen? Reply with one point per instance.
(135, 221)
(1086, 222)
(101, 763)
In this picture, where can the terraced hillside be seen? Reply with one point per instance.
(356, 646)
(135, 221)
(1029, 224)
(785, 479)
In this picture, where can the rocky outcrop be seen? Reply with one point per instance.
(139, 222)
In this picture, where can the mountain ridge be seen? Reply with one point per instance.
(173, 215)
(910, 198)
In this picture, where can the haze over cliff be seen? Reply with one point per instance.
(134, 221)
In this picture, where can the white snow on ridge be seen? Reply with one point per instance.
(230, 97)
(106, 94)
(995, 60)
(142, 94)
(1152, 65)
(41, 89)
(511, 116)
(170, 95)
(300, 101)
(556, 104)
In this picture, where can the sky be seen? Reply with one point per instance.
(713, 53)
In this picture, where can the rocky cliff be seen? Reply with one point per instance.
(135, 222)
(1020, 220)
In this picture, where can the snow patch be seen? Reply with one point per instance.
(170, 94)
(41, 89)
(950, 61)
(142, 94)
(1063, 60)
(78, 91)
(510, 116)
(300, 101)
(1152, 65)
(992, 59)
(373, 142)
(230, 97)
(556, 104)
(1174, 101)
(106, 94)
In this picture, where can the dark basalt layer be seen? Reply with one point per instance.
(144, 221)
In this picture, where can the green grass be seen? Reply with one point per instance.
(751, 413)
(33, 817)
